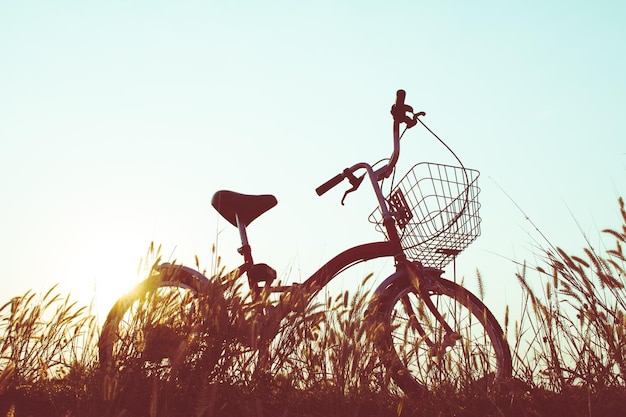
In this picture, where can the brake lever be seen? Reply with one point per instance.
(414, 119)
(355, 181)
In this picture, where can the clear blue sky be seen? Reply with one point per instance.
(118, 121)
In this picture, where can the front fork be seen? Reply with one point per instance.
(425, 281)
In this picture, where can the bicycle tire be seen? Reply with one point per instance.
(411, 342)
(157, 335)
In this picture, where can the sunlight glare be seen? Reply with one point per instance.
(100, 265)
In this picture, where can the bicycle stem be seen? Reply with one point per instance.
(396, 150)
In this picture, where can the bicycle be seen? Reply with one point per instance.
(430, 329)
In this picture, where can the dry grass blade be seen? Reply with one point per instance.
(481, 286)
(580, 328)
(45, 336)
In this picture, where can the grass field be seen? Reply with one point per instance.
(568, 348)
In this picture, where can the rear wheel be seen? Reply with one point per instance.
(423, 354)
(160, 340)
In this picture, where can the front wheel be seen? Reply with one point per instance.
(457, 346)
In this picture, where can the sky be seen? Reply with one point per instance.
(119, 120)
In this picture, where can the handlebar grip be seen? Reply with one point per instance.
(400, 96)
(329, 184)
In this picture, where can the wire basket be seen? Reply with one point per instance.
(436, 211)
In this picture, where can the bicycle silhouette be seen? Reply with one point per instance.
(428, 328)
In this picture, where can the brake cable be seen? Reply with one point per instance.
(467, 186)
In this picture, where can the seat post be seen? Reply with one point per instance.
(245, 250)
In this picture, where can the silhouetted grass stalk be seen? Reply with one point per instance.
(44, 337)
(574, 328)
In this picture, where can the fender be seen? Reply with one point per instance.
(168, 274)
(181, 274)
(388, 282)
(399, 277)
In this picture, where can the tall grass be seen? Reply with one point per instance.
(571, 338)
(47, 350)
(184, 354)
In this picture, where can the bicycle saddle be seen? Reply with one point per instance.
(248, 207)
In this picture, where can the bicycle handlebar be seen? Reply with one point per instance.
(399, 112)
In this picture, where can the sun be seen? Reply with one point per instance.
(98, 265)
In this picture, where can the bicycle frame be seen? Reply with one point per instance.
(342, 261)
(331, 269)
(346, 259)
